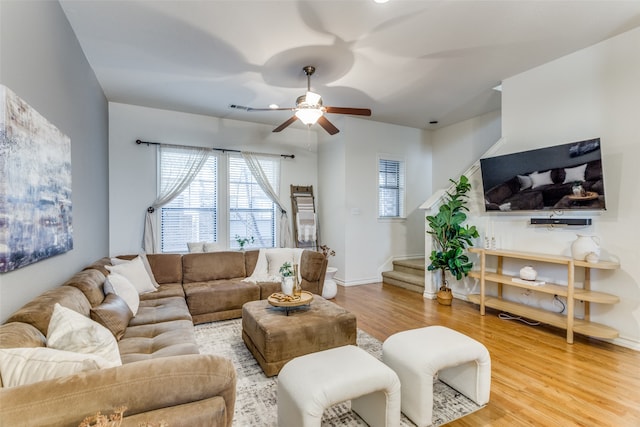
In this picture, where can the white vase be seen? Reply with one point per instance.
(287, 285)
(585, 245)
(330, 288)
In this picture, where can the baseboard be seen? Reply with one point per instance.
(429, 295)
(626, 342)
(620, 341)
(358, 282)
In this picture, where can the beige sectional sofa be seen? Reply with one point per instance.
(163, 376)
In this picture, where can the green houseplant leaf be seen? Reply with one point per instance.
(451, 237)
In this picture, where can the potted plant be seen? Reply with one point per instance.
(286, 271)
(242, 241)
(451, 238)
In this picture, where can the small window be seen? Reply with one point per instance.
(390, 188)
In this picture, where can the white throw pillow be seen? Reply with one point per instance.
(574, 174)
(71, 331)
(261, 270)
(540, 179)
(213, 247)
(195, 247)
(145, 263)
(20, 366)
(121, 286)
(134, 271)
(275, 259)
(525, 182)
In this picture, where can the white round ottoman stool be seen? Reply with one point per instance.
(309, 384)
(418, 355)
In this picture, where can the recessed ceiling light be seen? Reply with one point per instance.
(380, 1)
(273, 105)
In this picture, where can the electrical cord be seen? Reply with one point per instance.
(557, 298)
(509, 316)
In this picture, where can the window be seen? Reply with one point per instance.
(390, 188)
(191, 216)
(251, 213)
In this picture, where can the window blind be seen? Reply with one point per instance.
(390, 188)
(191, 216)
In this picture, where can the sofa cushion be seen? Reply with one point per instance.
(213, 266)
(114, 314)
(164, 290)
(167, 268)
(20, 366)
(90, 282)
(313, 266)
(157, 340)
(37, 312)
(100, 265)
(72, 331)
(499, 193)
(219, 295)
(120, 285)
(18, 334)
(161, 310)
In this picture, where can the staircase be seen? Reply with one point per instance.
(408, 274)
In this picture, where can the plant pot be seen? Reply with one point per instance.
(444, 296)
(287, 285)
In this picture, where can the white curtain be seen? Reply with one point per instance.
(173, 182)
(251, 159)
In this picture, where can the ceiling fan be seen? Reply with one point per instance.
(309, 109)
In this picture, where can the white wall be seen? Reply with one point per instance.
(456, 149)
(41, 61)
(365, 246)
(591, 93)
(458, 146)
(132, 167)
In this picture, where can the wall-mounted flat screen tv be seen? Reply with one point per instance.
(561, 177)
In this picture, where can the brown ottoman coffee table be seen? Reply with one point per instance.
(274, 338)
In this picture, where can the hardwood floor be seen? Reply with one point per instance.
(537, 378)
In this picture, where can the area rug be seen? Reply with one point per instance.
(256, 395)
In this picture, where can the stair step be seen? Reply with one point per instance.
(414, 266)
(409, 281)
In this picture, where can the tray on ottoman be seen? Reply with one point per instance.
(275, 338)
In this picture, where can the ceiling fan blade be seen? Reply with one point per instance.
(285, 124)
(327, 125)
(242, 107)
(347, 110)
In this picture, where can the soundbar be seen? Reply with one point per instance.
(560, 221)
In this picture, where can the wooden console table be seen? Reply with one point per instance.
(568, 322)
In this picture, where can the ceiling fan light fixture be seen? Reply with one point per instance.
(309, 116)
(312, 99)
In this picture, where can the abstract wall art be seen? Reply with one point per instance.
(35, 185)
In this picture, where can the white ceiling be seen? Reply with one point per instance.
(410, 61)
